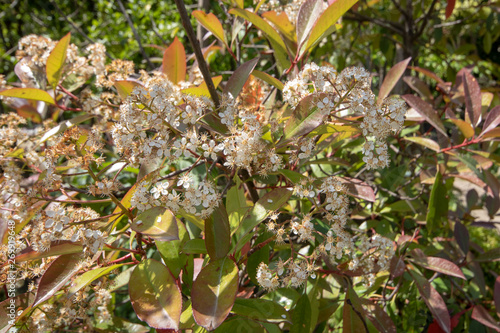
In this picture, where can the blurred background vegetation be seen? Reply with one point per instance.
(375, 34)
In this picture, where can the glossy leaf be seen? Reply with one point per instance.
(464, 127)
(195, 246)
(274, 38)
(55, 277)
(236, 204)
(155, 296)
(268, 79)
(308, 14)
(270, 202)
(439, 265)
(174, 62)
(426, 110)
(326, 23)
(261, 310)
(211, 23)
(428, 143)
(301, 316)
(492, 120)
(158, 223)
(282, 23)
(239, 77)
(392, 78)
(472, 93)
(217, 233)
(433, 300)
(29, 93)
(86, 278)
(125, 87)
(305, 117)
(480, 314)
(170, 251)
(64, 125)
(56, 248)
(214, 292)
(56, 60)
(491, 134)
(438, 204)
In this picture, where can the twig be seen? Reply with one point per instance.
(197, 51)
(136, 35)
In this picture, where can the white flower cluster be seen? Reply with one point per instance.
(294, 274)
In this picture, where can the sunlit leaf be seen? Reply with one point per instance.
(236, 204)
(438, 204)
(261, 310)
(308, 14)
(155, 296)
(64, 125)
(158, 223)
(464, 127)
(120, 325)
(480, 314)
(214, 292)
(211, 23)
(86, 278)
(56, 248)
(428, 143)
(194, 246)
(217, 233)
(202, 89)
(57, 274)
(268, 79)
(492, 120)
(391, 79)
(439, 265)
(170, 251)
(240, 324)
(433, 300)
(29, 93)
(427, 111)
(239, 77)
(125, 87)
(274, 38)
(56, 60)
(282, 23)
(305, 117)
(29, 112)
(174, 62)
(472, 93)
(326, 23)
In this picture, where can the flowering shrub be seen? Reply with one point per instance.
(291, 203)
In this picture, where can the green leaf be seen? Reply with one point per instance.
(308, 14)
(158, 223)
(427, 111)
(236, 204)
(171, 251)
(326, 23)
(427, 143)
(438, 204)
(334, 128)
(120, 325)
(29, 93)
(270, 202)
(391, 79)
(261, 310)
(353, 314)
(56, 60)
(55, 277)
(155, 296)
(274, 38)
(217, 233)
(125, 87)
(491, 255)
(211, 23)
(301, 317)
(86, 278)
(305, 117)
(268, 79)
(239, 77)
(64, 125)
(239, 324)
(195, 246)
(433, 300)
(202, 89)
(174, 62)
(214, 292)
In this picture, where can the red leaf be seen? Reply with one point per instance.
(392, 78)
(472, 99)
(358, 189)
(449, 8)
(492, 119)
(440, 265)
(433, 300)
(496, 295)
(481, 315)
(174, 62)
(239, 77)
(427, 111)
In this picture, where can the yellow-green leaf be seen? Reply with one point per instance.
(211, 23)
(125, 87)
(464, 127)
(174, 62)
(56, 60)
(158, 223)
(272, 35)
(29, 93)
(202, 89)
(282, 23)
(428, 143)
(327, 20)
(268, 79)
